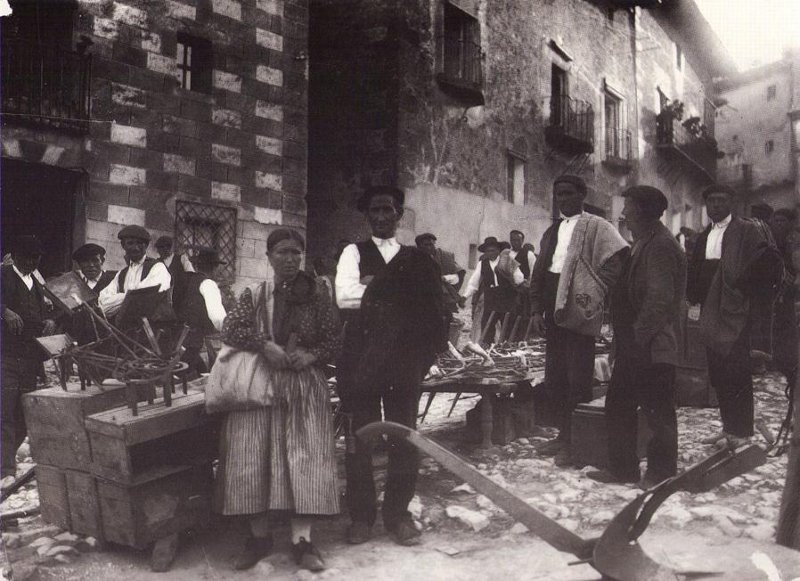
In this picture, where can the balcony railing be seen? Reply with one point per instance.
(699, 150)
(739, 175)
(46, 85)
(619, 147)
(462, 60)
(571, 126)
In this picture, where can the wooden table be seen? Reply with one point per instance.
(487, 388)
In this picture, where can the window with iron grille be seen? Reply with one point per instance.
(206, 225)
(195, 63)
(462, 46)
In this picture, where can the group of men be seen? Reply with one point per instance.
(186, 288)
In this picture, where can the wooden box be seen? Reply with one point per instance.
(55, 421)
(53, 503)
(84, 506)
(125, 446)
(159, 502)
(590, 435)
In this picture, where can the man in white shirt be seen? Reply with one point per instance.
(497, 287)
(734, 261)
(569, 366)
(90, 259)
(396, 390)
(202, 308)
(141, 271)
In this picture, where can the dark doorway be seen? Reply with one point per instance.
(39, 199)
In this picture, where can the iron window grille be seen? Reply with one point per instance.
(206, 225)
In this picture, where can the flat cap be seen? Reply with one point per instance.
(719, 189)
(87, 251)
(363, 201)
(134, 232)
(423, 237)
(651, 200)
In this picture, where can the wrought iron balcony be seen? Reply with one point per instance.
(619, 148)
(571, 127)
(462, 74)
(46, 85)
(698, 148)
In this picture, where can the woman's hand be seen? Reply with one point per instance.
(300, 359)
(276, 356)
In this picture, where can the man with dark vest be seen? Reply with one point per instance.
(394, 375)
(522, 253)
(581, 257)
(141, 271)
(177, 265)
(499, 290)
(734, 263)
(24, 319)
(201, 308)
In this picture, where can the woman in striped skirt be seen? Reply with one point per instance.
(282, 457)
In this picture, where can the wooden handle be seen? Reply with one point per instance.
(489, 324)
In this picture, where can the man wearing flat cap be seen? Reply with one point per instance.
(140, 272)
(90, 259)
(496, 286)
(24, 319)
(177, 265)
(452, 272)
(581, 257)
(390, 299)
(201, 308)
(646, 307)
(734, 262)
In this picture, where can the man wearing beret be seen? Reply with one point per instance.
(24, 319)
(141, 271)
(734, 261)
(90, 259)
(581, 257)
(646, 307)
(390, 299)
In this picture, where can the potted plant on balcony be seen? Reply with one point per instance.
(672, 111)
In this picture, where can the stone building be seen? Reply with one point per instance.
(474, 107)
(187, 117)
(758, 129)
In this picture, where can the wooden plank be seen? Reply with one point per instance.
(53, 500)
(110, 457)
(84, 506)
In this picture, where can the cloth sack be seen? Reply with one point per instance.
(239, 380)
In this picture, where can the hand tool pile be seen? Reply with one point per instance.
(501, 362)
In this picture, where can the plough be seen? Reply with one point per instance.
(616, 553)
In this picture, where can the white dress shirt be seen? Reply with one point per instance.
(91, 283)
(531, 258)
(187, 264)
(349, 289)
(213, 299)
(110, 300)
(26, 278)
(714, 242)
(475, 280)
(565, 231)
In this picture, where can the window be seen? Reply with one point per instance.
(769, 147)
(207, 225)
(614, 141)
(772, 91)
(559, 95)
(195, 63)
(515, 179)
(462, 46)
(678, 57)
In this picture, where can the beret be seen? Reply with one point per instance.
(164, 241)
(423, 237)
(718, 189)
(649, 198)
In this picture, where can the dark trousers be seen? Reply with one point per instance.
(568, 372)
(18, 378)
(731, 377)
(651, 387)
(398, 391)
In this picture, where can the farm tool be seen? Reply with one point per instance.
(616, 554)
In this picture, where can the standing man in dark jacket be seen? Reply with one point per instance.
(24, 319)
(646, 307)
(733, 261)
(201, 308)
(177, 265)
(395, 375)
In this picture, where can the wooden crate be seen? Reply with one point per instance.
(53, 502)
(55, 422)
(124, 446)
(159, 502)
(590, 435)
(84, 505)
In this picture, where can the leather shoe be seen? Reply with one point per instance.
(404, 532)
(255, 549)
(307, 556)
(607, 477)
(358, 533)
